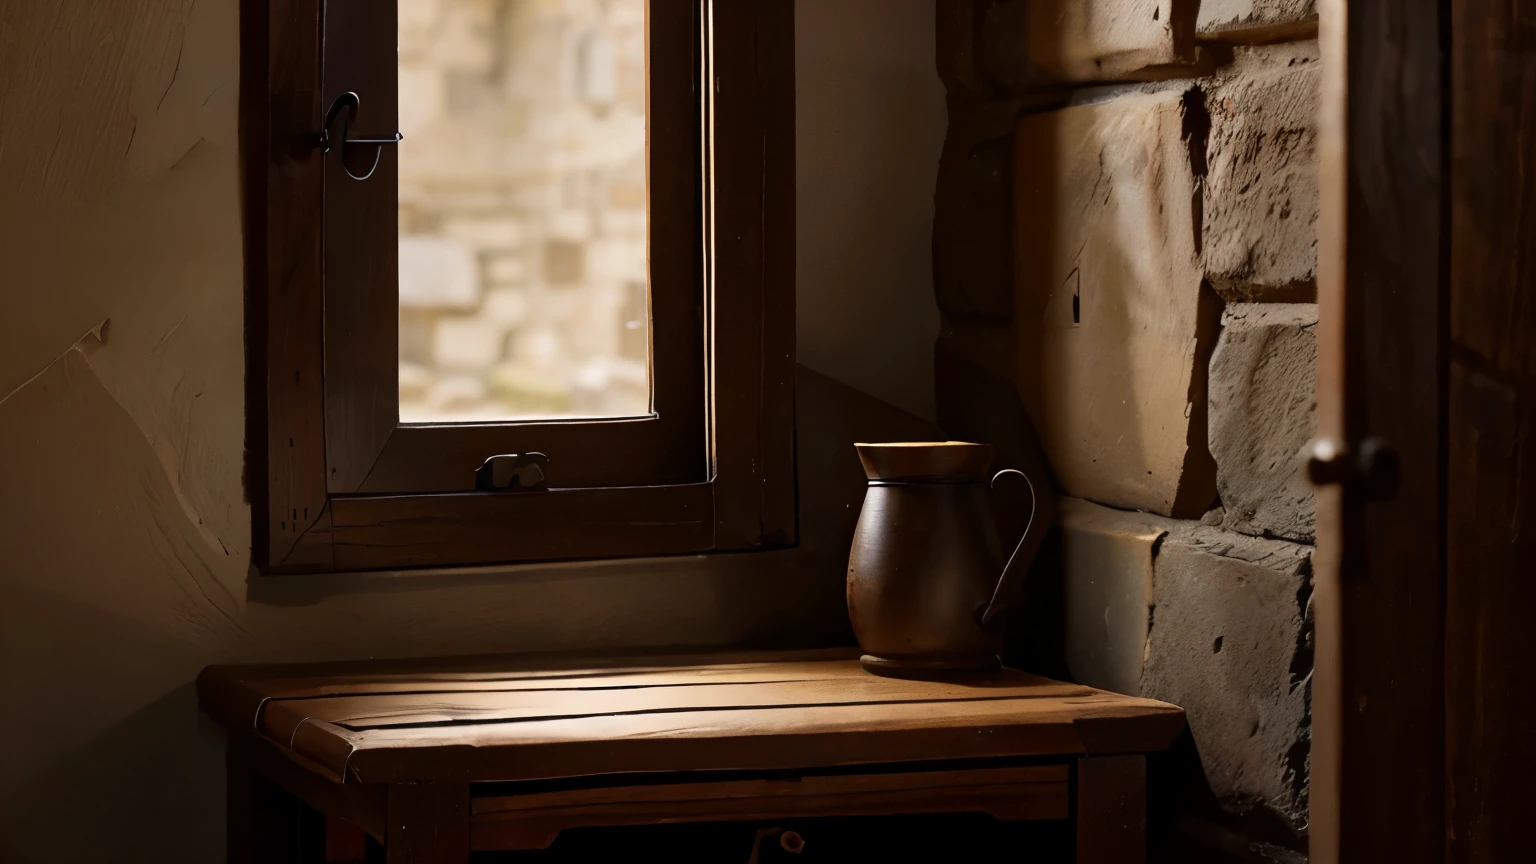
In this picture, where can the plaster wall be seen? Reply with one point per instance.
(870, 121)
(123, 522)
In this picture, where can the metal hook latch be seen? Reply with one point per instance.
(350, 102)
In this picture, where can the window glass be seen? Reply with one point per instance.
(522, 210)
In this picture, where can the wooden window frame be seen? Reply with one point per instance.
(338, 484)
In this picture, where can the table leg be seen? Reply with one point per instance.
(428, 823)
(1112, 810)
(266, 825)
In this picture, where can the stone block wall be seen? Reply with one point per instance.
(1125, 258)
(522, 209)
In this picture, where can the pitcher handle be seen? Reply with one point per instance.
(1012, 578)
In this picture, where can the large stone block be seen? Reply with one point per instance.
(1114, 327)
(1216, 622)
(1260, 194)
(1232, 645)
(1263, 398)
(1107, 560)
(1031, 43)
(1256, 19)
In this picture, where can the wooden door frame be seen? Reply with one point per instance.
(1378, 709)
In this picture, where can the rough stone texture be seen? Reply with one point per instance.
(1215, 621)
(1030, 43)
(1255, 18)
(1263, 404)
(1260, 195)
(1232, 644)
(1113, 326)
(1107, 559)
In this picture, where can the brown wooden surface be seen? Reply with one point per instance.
(1377, 762)
(632, 452)
(255, 155)
(280, 107)
(361, 248)
(533, 821)
(345, 842)
(266, 823)
(752, 338)
(234, 694)
(475, 528)
(391, 746)
(428, 823)
(1491, 534)
(282, 717)
(1112, 810)
(384, 722)
(323, 406)
(364, 807)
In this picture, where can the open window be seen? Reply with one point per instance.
(591, 223)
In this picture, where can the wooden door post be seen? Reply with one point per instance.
(428, 823)
(1112, 809)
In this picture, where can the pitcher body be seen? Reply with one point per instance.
(927, 581)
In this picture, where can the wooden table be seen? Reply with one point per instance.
(437, 758)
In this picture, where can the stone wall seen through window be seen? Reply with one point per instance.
(522, 210)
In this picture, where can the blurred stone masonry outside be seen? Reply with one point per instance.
(522, 209)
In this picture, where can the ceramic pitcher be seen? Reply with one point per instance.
(928, 589)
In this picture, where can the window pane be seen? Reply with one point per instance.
(522, 210)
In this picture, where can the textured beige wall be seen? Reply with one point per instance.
(870, 120)
(123, 526)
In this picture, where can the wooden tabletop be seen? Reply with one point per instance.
(501, 719)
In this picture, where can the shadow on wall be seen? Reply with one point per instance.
(154, 781)
(116, 608)
(869, 117)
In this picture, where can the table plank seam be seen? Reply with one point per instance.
(358, 724)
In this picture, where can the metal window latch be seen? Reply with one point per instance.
(350, 102)
(1375, 466)
(513, 472)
